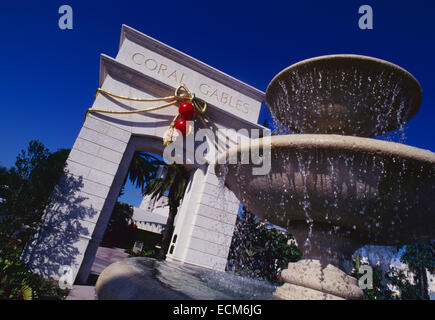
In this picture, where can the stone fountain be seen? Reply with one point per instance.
(333, 190)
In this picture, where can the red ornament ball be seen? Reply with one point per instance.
(186, 110)
(181, 125)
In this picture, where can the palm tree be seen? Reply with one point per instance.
(174, 182)
(142, 173)
(143, 169)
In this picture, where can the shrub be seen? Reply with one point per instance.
(259, 250)
(25, 190)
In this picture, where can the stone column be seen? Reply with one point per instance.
(322, 272)
(74, 222)
(206, 223)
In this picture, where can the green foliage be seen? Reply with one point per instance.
(400, 280)
(28, 160)
(121, 216)
(151, 253)
(174, 183)
(142, 169)
(26, 188)
(380, 291)
(416, 256)
(119, 231)
(420, 257)
(259, 250)
(25, 191)
(16, 282)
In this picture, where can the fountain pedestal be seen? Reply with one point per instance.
(309, 279)
(322, 274)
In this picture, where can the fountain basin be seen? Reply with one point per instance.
(150, 279)
(335, 194)
(343, 94)
(382, 190)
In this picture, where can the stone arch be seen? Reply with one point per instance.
(73, 226)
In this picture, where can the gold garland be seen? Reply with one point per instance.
(181, 94)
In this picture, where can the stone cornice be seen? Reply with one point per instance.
(189, 62)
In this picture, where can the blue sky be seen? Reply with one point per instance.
(49, 76)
